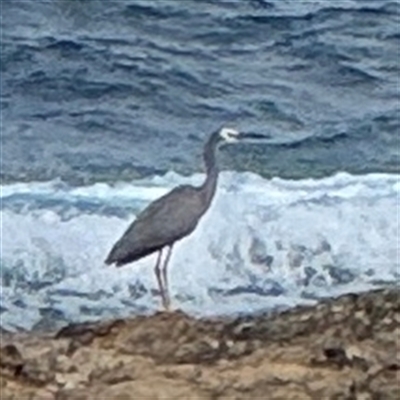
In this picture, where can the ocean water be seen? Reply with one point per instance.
(105, 107)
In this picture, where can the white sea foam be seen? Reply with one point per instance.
(263, 244)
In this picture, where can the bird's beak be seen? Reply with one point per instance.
(253, 136)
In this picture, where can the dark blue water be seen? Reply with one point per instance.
(115, 90)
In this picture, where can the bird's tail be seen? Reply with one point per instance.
(112, 256)
(119, 254)
(109, 260)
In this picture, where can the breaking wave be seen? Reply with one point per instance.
(263, 244)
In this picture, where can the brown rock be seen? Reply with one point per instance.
(345, 348)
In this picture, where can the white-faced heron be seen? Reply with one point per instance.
(173, 216)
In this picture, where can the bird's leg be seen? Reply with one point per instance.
(165, 276)
(159, 281)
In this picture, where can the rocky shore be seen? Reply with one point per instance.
(346, 348)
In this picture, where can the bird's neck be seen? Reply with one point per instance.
(210, 184)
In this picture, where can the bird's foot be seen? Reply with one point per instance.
(167, 307)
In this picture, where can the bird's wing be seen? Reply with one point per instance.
(166, 220)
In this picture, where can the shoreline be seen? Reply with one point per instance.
(342, 348)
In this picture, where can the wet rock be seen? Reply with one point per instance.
(115, 375)
(11, 359)
(345, 348)
(39, 371)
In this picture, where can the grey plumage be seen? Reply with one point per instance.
(173, 216)
(168, 219)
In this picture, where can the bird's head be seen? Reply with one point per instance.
(230, 135)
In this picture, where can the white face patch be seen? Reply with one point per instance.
(228, 134)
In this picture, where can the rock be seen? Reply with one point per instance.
(344, 348)
(11, 359)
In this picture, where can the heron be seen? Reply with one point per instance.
(173, 216)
